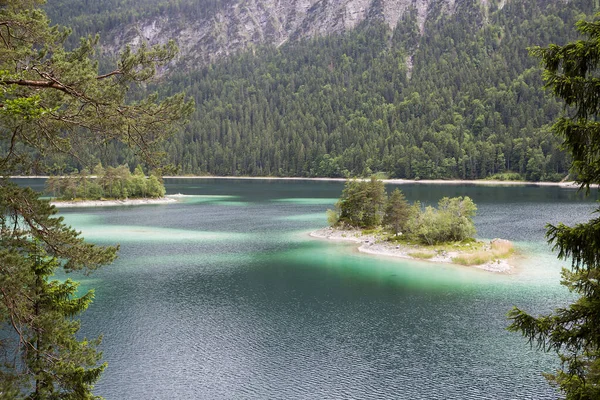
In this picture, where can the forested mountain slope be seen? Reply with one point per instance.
(471, 106)
(208, 30)
(439, 95)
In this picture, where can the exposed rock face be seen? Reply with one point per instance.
(241, 24)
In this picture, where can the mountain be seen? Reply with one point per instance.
(430, 89)
(208, 30)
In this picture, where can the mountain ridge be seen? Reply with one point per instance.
(454, 95)
(231, 26)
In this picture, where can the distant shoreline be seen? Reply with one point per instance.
(570, 184)
(109, 203)
(371, 245)
(483, 182)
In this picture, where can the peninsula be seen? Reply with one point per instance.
(390, 226)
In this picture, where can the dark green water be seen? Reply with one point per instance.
(224, 296)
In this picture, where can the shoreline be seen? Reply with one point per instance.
(112, 203)
(369, 244)
(482, 182)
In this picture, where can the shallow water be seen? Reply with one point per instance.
(224, 295)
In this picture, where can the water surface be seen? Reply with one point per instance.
(223, 295)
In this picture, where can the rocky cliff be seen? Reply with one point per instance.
(241, 24)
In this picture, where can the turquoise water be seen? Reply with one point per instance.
(224, 295)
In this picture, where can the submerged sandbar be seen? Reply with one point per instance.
(112, 202)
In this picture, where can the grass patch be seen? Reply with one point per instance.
(498, 249)
(422, 255)
(472, 259)
(503, 248)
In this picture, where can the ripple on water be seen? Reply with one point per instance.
(259, 352)
(128, 233)
(223, 200)
(195, 312)
(307, 201)
(305, 217)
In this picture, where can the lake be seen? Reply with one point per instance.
(225, 296)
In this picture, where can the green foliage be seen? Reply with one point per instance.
(397, 212)
(364, 204)
(46, 329)
(361, 204)
(109, 183)
(43, 359)
(458, 214)
(507, 176)
(573, 332)
(332, 218)
(55, 104)
(452, 221)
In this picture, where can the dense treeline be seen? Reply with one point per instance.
(463, 100)
(105, 183)
(470, 106)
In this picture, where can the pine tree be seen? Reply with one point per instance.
(57, 102)
(361, 204)
(397, 212)
(43, 359)
(42, 314)
(571, 72)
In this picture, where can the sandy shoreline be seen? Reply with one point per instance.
(571, 185)
(108, 203)
(370, 244)
(394, 181)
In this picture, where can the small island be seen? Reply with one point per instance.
(390, 226)
(107, 187)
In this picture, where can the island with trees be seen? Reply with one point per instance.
(107, 186)
(389, 225)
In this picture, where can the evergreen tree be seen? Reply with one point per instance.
(375, 203)
(361, 204)
(43, 359)
(445, 99)
(55, 102)
(53, 363)
(574, 331)
(397, 212)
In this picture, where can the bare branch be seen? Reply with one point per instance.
(40, 84)
(113, 73)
